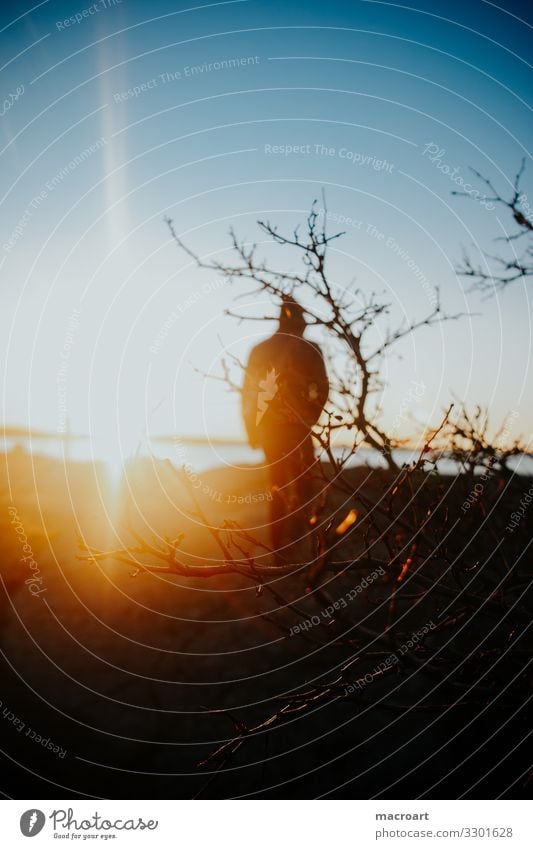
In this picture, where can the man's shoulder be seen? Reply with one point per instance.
(313, 346)
(273, 343)
(283, 344)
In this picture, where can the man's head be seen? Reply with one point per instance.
(291, 317)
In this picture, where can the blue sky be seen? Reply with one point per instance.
(136, 111)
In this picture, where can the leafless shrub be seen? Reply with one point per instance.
(518, 264)
(437, 563)
(347, 316)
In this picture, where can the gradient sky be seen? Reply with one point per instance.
(375, 79)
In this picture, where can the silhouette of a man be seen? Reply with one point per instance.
(285, 389)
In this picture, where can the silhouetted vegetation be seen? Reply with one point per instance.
(416, 595)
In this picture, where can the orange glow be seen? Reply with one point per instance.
(405, 569)
(347, 522)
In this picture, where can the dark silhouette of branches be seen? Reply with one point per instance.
(346, 316)
(518, 264)
(438, 584)
(468, 441)
(412, 571)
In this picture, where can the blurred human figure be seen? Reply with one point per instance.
(285, 389)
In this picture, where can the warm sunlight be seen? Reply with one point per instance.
(115, 450)
(266, 457)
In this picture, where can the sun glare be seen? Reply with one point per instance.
(115, 450)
